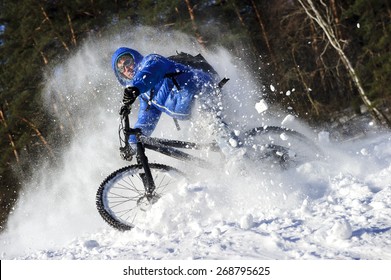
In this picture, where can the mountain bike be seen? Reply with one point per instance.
(125, 196)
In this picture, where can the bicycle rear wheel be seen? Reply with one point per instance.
(281, 146)
(121, 199)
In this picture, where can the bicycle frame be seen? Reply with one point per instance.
(121, 196)
(277, 153)
(164, 146)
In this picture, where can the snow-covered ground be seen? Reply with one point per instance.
(336, 208)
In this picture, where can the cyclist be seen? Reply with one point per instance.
(163, 85)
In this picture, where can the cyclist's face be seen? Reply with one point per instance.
(125, 66)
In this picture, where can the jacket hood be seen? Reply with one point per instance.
(117, 54)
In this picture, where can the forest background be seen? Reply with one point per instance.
(335, 54)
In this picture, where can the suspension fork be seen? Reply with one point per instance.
(146, 177)
(142, 159)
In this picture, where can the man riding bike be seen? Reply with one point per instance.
(164, 85)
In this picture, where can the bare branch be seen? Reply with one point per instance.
(46, 18)
(39, 135)
(72, 31)
(10, 138)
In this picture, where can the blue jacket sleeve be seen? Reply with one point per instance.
(147, 119)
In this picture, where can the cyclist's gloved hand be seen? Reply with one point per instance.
(127, 152)
(125, 110)
(130, 95)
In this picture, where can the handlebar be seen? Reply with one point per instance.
(133, 131)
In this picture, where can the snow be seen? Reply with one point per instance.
(261, 106)
(333, 208)
(288, 119)
(324, 137)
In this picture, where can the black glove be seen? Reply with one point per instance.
(125, 110)
(130, 95)
(127, 153)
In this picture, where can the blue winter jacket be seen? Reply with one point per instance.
(151, 76)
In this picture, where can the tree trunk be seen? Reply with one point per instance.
(253, 46)
(318, 55)
(306, 87)
(195, 28)
(264, 33)
(313, 13)
(336, 18)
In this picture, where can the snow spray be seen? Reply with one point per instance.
(58, 203)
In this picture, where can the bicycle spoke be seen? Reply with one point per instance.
(128, 211)
(162, 187)
(131, 184)
(127, 198)
(122, 197)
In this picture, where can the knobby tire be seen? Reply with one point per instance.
(121, 198)
(283, 146)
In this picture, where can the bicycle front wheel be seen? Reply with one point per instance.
(121, 199)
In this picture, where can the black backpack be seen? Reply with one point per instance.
(196, 62)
